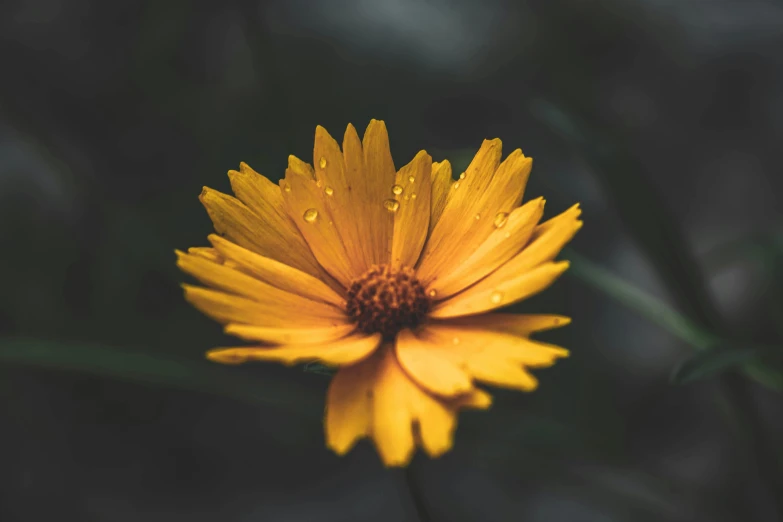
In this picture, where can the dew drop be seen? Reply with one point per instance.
(319, 183)
(411, 179)
(413, 195)
(322, 162)
(432, 293)
(477, 217)
(500, 219)
(496, 297)
(392, 205)
(455, 185)
(462, 176)
(310, 215)
(287, 188)
(397, 190)
(406, 197)
(329, 191)
(507, 235)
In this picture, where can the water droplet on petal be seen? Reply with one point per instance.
(432, 293)
(396, 190)
(329, 191)
(287, 187)
(413, 195)
(462, 176)
(411, 179)
(392, 205)
(500, 219)
(477, 217)
(310, 215)
(507, 235)
(322, 162)
(319, 183)
(406, 197)
(455, 185)
(496, 297)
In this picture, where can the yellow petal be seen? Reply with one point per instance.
(227, 308)
(348, 350)
(441, 185)
(432, 372)
(517, 324)
(524, 275)
(306, 205)
(476, 399)
(488, 295)
(548, 240)
(349, 405)
(345, 203)
(377, 398)
(276, 239)
(436, 423)
(379, 175)
(235, 282)
(457, 227)
(411, 193)
(298, 335)
(502, 244)
(262, 196)
(276, 273)
(207, 253)
(502, 373)
(398, 403)
(493, 357)
(364, 204)
(392, 426)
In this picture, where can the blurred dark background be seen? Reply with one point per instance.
(663, 117)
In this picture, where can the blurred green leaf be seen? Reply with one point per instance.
(711, 362)
(636, 299)
(653, 309)
(765, 374)
(156, 370)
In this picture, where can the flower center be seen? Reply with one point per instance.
(386, 300)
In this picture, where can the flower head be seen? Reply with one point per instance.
(391, 276)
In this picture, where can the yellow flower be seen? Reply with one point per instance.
(392, 276)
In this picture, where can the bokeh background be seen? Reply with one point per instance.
(663, 118)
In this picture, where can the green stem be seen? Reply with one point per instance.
(417, 498)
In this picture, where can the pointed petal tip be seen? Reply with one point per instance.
(223, 356)
(321, 133)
